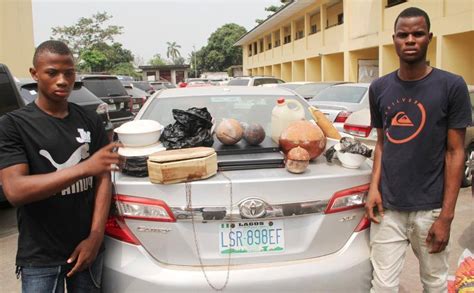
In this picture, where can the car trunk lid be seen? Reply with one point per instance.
(213, 217)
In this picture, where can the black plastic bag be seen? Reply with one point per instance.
(348, 145)
(136, 166)
(191, 129)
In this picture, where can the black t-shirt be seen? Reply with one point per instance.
(415, 117)
(50, 229)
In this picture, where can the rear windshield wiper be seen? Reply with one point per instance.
(114, 95)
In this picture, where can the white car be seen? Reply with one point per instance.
(253, 227)
(254, 81)
(339, 101)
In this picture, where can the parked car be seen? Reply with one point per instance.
(159, 85)
(138, 97)
(339, 101)
(144, 86)
(10, 100)
(80, 95)
(264, 228)
(254, 81)
(309, 89)
(110, 90)
(358, 125)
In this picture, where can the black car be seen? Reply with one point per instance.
(110, 90)
(144, 86)
(80, 95)
(139, 97)
(9, 100)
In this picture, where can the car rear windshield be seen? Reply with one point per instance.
(105, 87)
(343, 94)
(247, 109)
(310, 90)
(238, 82)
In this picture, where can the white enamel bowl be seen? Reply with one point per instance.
(139, 133)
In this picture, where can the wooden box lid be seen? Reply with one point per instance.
(181, 154)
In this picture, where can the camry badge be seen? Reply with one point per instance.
(252, 208)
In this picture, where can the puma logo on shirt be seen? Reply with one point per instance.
(79, 154)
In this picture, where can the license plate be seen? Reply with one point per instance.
(251, 237)
(112, 107)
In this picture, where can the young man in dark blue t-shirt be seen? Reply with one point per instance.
(56, 163)
(421, 114)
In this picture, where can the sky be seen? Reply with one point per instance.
(149, 24)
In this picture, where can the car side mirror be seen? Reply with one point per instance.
(78, 85)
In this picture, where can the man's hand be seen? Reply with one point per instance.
(85, 253)
(103, 161)
(438, 235)
(374, 200)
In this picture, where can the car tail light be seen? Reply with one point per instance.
(357, 130)
(116, 228)
(347, 199)
(363, 224)
(143, 209)
(342, 116)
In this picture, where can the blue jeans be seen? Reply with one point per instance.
(52, 279)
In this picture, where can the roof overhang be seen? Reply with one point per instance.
(270, 23)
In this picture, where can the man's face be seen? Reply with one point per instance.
(55, 74)
(411, 39)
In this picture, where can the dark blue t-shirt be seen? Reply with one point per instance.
(415, 117)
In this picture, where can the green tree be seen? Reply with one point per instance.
(125, 69)
(273, 9)
(93, 61)
(220, 52)
(86, 33)
(114, 53)
(173, 51)
(157, 60)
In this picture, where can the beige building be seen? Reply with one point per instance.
(16, 36)
(351, 40)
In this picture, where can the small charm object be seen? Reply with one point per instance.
(254, 134)
(229, 131)
(297, 160)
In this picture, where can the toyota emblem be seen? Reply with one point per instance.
(252, 208)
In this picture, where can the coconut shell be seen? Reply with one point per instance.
(229, 131)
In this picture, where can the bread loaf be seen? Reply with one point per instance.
(326, 126)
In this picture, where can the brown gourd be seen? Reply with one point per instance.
(326, 126)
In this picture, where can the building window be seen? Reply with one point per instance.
(340, 18)
(261, 46)
(277, 43)
(255, 48)
(269, 46)
(250, 50)
(287, 39)
(391, 3)
(313, 30)
(299, 35)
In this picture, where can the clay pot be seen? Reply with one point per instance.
(304, 134)
(297, 160)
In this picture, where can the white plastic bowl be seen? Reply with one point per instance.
(349, 160)
(139, 133)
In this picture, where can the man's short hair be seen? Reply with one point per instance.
(52, 46)
(413, 12)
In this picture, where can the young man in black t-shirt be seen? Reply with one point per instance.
(421, 114)
(56, 163)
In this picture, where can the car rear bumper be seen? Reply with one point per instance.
(129, 268)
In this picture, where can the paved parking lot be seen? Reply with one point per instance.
(462, 237)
